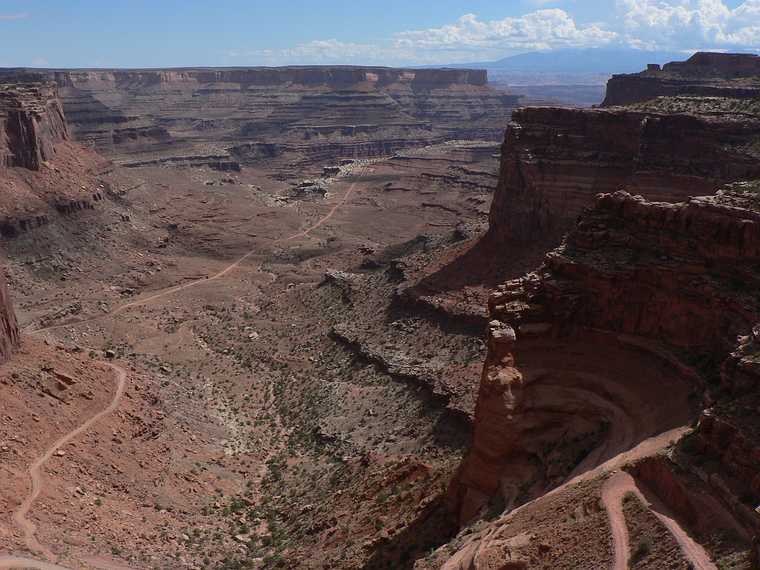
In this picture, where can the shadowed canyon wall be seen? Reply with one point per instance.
(9, 333)
(633, 317)
(555, 160)
(635, 283)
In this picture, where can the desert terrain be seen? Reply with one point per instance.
(386, 319)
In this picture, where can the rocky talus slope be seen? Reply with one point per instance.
(301, 115)
(703, 74)
(610, 342)
(42, 172)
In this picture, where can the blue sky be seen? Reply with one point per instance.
(155, 33)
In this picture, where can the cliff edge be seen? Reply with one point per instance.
(705, 74)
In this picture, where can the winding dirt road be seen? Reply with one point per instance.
(35, 470)
(38, 484)
(21, 562)
(234, 265)
(613, 491)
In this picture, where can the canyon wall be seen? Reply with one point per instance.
(555, 160)
(639, 290)
(9, 333)
(621, 329)
(42, 172)
(703, 74)
(297, 115)
(31, 124)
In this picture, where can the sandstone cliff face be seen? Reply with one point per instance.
(703, 74)
(627, 260)
(42, 173)
(31, 124)
(334, 77)
(9, 333)
(298, 115)
(639, 291)
(554, 161)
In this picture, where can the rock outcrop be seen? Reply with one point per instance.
(626, 261)
(42, 172)
(624, 340)
(31, 124)
(641, 296)
(298, 115)
(554, 161)
(9, 333)
(703, 74)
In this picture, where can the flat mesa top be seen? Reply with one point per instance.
(246, 68)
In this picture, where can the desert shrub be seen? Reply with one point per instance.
(642, 551)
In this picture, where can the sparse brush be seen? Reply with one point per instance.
(642, 551)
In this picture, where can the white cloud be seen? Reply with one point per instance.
(467, 38)
(677, 25)
(684, 24)
(542, 29)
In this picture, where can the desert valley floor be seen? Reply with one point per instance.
(406, 345)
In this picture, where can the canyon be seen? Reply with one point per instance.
(245, 326)
(290, 117)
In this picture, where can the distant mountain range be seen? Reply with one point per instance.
(567, 76)
(587, 60)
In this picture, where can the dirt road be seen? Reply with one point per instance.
(613, 491)
(38, 483)
(35, 470)
(21, 562)
(231, 267)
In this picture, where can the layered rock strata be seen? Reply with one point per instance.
(302, 115)
(42, 173)
(554, 161)
(643, 297)
(703, 74)
(31, 124)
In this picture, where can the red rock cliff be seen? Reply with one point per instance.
(31, 124)
(637, 294)
(42, 173)
(554, 161)
(703, 74)
(9, 333)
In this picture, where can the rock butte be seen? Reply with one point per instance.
(703, 74)
(44, 173)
